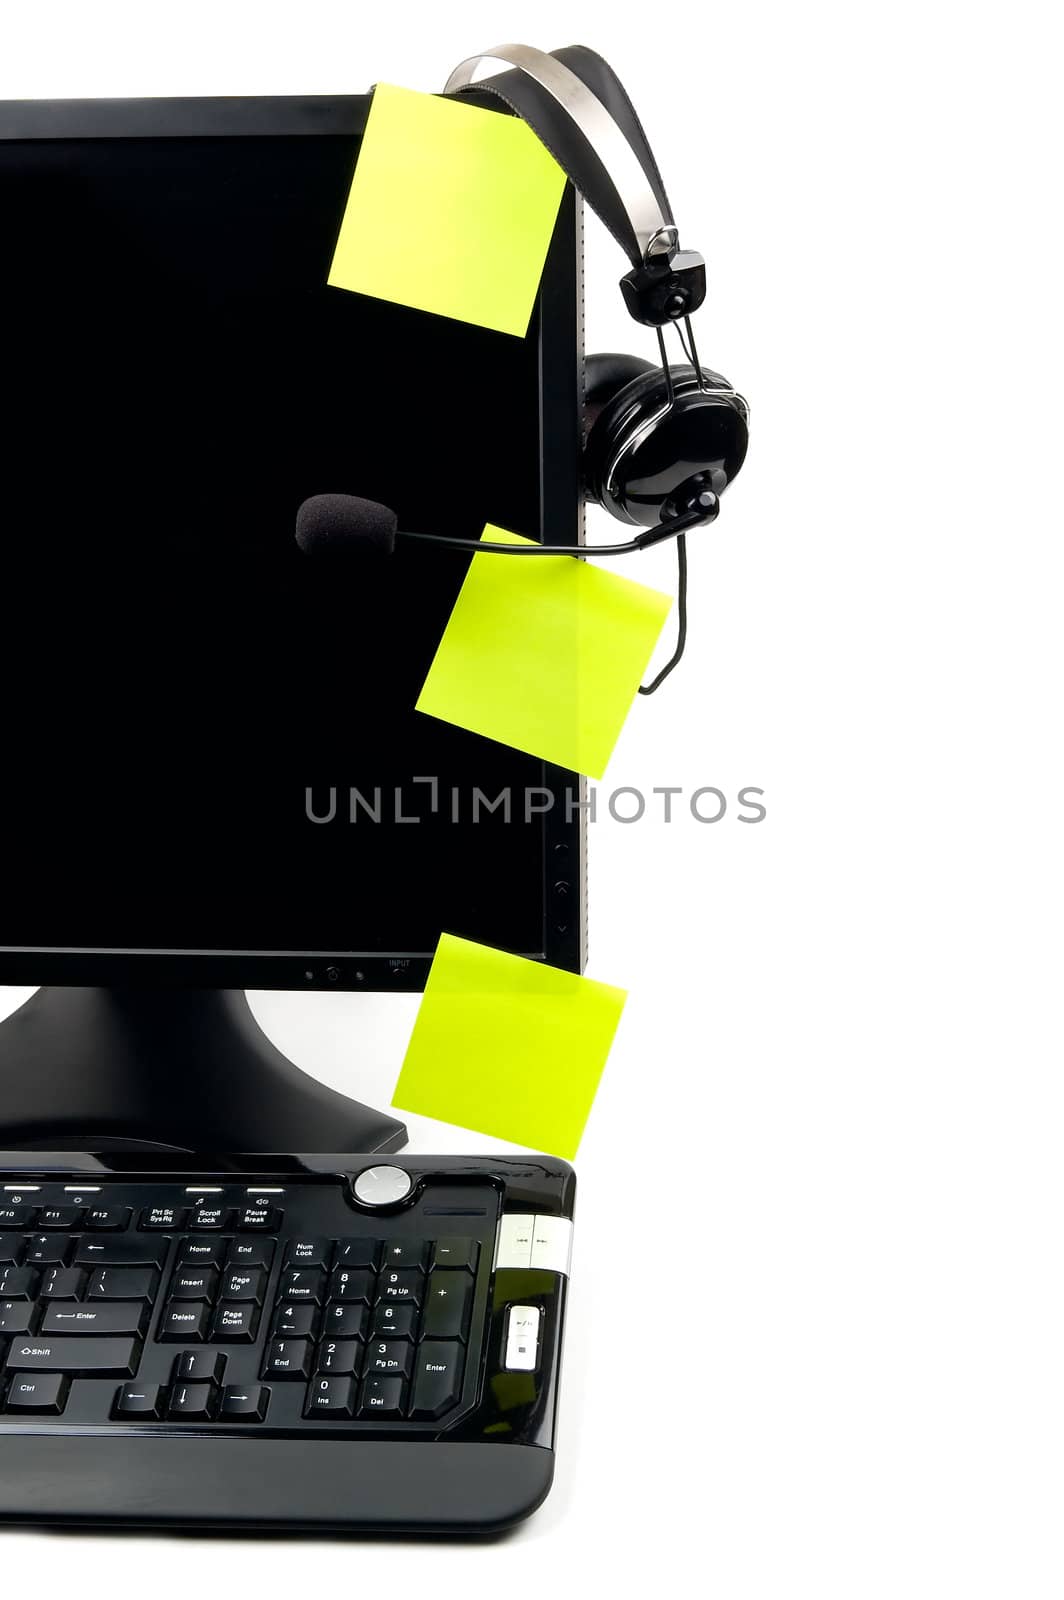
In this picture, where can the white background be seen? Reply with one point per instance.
(817, 1344)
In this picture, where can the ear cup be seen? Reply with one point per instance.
(642, 456)
(604, 376)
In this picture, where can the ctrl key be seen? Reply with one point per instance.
(38, 1393)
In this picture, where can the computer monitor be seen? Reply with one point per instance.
(215, 775)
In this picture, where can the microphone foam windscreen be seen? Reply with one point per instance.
(343, 524)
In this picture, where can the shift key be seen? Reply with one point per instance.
(93, 1358)
(113, 1316)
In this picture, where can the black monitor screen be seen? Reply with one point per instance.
(210, 741)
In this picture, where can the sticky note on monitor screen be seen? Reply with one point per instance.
(451, 210)
(508, 1047)
(544, 653)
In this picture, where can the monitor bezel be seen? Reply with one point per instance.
(562, 522)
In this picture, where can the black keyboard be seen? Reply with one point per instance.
(387, 1331)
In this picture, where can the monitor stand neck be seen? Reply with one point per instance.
(166, 1069)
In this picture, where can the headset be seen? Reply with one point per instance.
(661, 442)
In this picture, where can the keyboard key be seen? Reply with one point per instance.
(260, 1219)
(138, 1402)
(301, 1283)
(207, 1219)
(308, 1253)
(456, 1253)
(184, 1322)
(167, 1218)
(193, 1283)
(437, 1379)
(345, 1322)
(297, 1322)
(18, 1283)
(244, 1402)
(11, 1247)
(108, 1316)
(122, 1283)
(17, 1216)
(394, 1356)
(351, 1284)
(16, 1316)
(48, 1249)
(123, 1250)
(192, 1402)
(44, 1394)
(339, 1355)
(63, 1283)
(60, 1216)
(91, 1358)
(202, 1252)
(331, 1398)
(251, 1253)
(405, 1285)
(236, 1323)
(448, 1305)
(200, 1366)
(358, 1253)
(382, 1397)
(394, 1322)
(288, 1358)
(240, 1283)
(107, 1219)
(404, 1253)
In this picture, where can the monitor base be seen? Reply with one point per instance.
(166, 1069)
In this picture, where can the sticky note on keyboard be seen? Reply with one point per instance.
(451, 210)
(508, 1046)
(544, 653)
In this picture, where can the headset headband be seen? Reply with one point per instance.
(576, 104)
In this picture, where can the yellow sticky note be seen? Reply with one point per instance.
(508, 1047)
(544, 653)
(451, 210)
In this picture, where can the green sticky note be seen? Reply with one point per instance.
(544, 653)
(508, 1047)
(451, 210)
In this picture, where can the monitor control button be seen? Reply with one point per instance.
(382, 1186)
